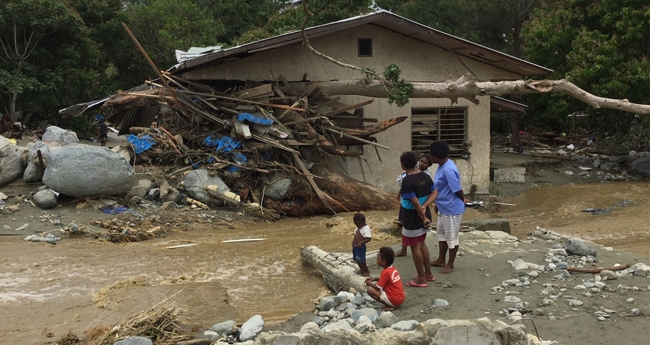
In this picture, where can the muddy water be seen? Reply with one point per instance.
(559, 208)
(81, 283)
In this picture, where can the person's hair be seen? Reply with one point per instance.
(359, 218)
(101, 121)
(408, 160)
(439, 149)
(428, 157)
(387, 254)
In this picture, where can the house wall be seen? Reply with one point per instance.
(418, 61)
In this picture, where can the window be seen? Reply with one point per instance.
(433, 124)
(365, 47)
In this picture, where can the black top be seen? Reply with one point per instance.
(103, 129)
(414, 186)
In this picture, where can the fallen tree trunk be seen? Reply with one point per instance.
(597, 269)
(466, 87)
(339, 272)
(350, 194)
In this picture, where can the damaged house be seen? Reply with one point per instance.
(260, 105)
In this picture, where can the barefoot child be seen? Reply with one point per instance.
(362, 235)
(388, 289)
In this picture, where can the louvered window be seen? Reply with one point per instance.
(433, 124)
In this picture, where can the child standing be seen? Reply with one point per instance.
(388, 289)
(103, 132)
(450, 205)
(362, 235)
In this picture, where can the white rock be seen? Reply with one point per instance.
(405, 326)
(251, 328)
(575, 303)
(640, 269)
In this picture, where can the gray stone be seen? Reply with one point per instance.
(45, 199)
(440, 302)
(309, 327)
(405, 326)
(358, 300)
(84, 170)
(140, 188)
(328, 302)
(539, 312)
(640, 269)
(386, 319)
(560, 251)
(319, 320)
(575, 246)
(363, 324)
(49, 238)
(134, 341)
(11, 161)
(212, 336)
(368, 312)
(632, 155)
(287, 340)
(251, 328)
(277, 190)
(564, 274)
(619, 159)
(224, 328)
(34, 171)
(197, 182)
(59, 135)
(337, 325)
(642, 166)
(153, 193)
(511, 299)
(609, 166)
(597, 163)
(643, 154)
(575, 303)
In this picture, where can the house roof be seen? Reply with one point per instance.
(503, 105)
(386, 20)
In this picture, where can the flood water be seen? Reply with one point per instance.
(81, 283)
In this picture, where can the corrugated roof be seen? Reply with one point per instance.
(389, 21)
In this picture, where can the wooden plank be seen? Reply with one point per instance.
(286, 82)
(310, 178)
(244, 240)
(334, 102)
(357, 139)
(349, 107)
(309, 90)
(265, 90)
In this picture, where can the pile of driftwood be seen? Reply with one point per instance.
(256, 133)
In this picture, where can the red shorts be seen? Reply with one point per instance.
(413, 241)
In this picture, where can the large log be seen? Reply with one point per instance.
(339, 272)
(467, 88)
(351, 195)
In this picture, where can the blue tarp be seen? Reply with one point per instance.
(141, 144)
(254, 119)
(223, 144)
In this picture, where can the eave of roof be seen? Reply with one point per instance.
(502, 105)
(389, 21)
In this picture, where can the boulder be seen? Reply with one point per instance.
(251, 328)
(619, 159)
(575, 246)
(59, 135)
(197, 182)
(83, 170)
(45, 199)
(34, 171)
(642, 166)
(141, 189)
(134, 341)
(277, 190)
(363, 324)
(328, 302)
(640, 269)
(11, 161)
(224, 328)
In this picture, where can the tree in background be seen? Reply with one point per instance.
(603, 46)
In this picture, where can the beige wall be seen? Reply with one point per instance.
(418, 61)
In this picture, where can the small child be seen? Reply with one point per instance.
(103, 132)
(362, 235)
(388, 289)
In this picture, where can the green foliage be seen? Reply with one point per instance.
(400, 89)
(602, 46)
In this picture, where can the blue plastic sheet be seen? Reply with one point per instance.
(113, 210)
(239, 158)
(141, 144)
(223, 144)
(254, 119)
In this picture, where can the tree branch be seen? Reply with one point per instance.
(469, 89)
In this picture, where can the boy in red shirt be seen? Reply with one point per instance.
(388, 289)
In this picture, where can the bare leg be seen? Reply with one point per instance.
(418, 260)
(442, 252)
(425, 258)
(401, 252)
(450, 264)
(376, 295)
(363, 269)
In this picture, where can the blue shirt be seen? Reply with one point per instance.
(447, 183)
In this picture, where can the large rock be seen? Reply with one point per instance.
(337, 325)
(83, 170)
(34, 171)
(45, 199)
(640, 269)
(386, 319)
(619, 159)
(59, 135)
(405, 326)
(367, 312)
(134, 341)
(197, 182)
(328, 302)
(11, 161)
(141, 189)
(277, 190)
(251, 328)
(575, 246)
(224, 328)
(642, 166)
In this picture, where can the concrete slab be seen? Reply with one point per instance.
(510, 175)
